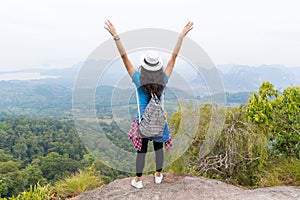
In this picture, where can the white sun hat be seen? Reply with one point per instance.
(151, 61)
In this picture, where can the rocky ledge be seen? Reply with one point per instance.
(187, 187)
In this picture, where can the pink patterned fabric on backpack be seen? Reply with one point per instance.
(136, 139)
(134, 135)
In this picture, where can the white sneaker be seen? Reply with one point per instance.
(158, 179)
(135, 184)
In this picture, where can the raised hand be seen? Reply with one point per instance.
(110, 27)
(187, 28)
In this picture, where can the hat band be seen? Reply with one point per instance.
(150, 64)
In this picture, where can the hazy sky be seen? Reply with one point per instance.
(60, 33)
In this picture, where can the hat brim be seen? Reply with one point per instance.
(152, 68)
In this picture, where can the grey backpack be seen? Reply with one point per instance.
(153, 121)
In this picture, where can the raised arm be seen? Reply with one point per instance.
(112, 30)
(172, 59)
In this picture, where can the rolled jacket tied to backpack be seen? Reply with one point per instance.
(153, 121)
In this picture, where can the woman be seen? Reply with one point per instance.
(151, 79)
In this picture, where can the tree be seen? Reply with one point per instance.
(55, 166)
(260, 107)
(278, 116)
(286, 122)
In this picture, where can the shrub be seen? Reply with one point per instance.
(280, 171)
(36, 192)
(240, 149)
(78, 183)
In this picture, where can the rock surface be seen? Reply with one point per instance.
(187, 187)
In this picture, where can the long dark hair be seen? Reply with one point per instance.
(152, 82)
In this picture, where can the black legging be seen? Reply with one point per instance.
(140, 158)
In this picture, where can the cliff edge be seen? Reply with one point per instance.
(187, 187)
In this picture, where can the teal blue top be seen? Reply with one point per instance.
(143, 96)
(143, 101)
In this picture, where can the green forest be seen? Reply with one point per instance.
(259, 146)
(43, 151)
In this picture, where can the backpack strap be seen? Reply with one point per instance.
(138, 104)
(163, 99)
(138, 101)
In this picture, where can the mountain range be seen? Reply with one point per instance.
(236, 78)
(52, 97)
(239, 78)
